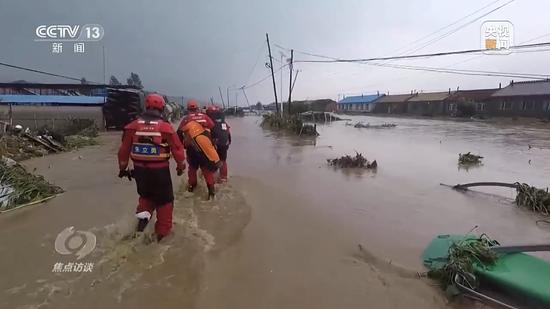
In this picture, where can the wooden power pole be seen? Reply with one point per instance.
(290, 81)
(221, 96)
(272, 74)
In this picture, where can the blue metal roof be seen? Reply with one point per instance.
(51, 99)
(360, 99)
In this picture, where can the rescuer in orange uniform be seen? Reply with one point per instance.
(221, 137)
(195, 158)
(148, 141)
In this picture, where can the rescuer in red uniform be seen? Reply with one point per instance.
(194, 158)
(221, 137)
(149, 141)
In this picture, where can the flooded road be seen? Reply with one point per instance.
(401, 206)
(284, 233)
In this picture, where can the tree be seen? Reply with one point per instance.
(134, 80)
(114, 81)
(83, 81)
(259, 106)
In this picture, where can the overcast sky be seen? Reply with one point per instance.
(191, 47)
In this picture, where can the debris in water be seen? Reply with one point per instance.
(347, 161)
(291, 124)
(19, 144)
(372, 126)
(19, 187)
(463, 255)
(538, 200)
(469, 159)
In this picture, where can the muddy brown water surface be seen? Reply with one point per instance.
(284, 232)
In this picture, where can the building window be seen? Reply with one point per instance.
(452, 107)
(480, 107)
(505, 106)
(546, 106)
(526, 105)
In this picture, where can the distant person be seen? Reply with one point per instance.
(194, 114)
(199, 155)
(221, 137)
(149, 141)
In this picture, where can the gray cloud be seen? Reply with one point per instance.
(190, 47)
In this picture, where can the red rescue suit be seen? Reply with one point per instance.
(149, 141)
(193, 158)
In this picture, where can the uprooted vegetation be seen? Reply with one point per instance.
(362, 125)
(535, 199)
(357, 161)
(462, 257)
(469, 159)
(291, 124)
(19, 187)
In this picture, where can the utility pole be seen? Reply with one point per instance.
(245, 96)
(228, 98)
(282, 57)
(104, 76)
(236, 99)
(212, 100)
(290, 81)
(272, 73)
(221, 96)
(295, 78)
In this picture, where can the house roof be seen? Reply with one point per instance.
(476, 94)
(535, 87)
(394, 98)
(52, 99)
(360, 99)
(63, 86)
(429, 96)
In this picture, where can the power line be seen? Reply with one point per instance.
(445, 27)
(462, 26)
(258, 81)
(465, 72)
(260, 52)
(38, 71)
(460, 52)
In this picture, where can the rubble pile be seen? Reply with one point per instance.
(469, 159)
(19, 187)
(347, 161)
(19, 144)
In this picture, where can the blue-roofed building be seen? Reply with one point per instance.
(358, 104)
(36, 105)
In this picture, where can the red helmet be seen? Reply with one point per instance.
(155, 101)
(192, 105)
(212, 108)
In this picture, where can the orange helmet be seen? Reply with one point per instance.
(155, 101)
(212, 108)
(192, 105)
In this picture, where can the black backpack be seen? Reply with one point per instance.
(220, 133)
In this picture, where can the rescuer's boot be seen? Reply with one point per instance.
(211, 192)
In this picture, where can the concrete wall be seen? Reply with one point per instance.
(35, 117)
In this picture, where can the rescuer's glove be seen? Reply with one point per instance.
(180, 168)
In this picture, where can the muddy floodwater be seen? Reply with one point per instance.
(287, 231)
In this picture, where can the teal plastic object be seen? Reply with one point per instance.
(517, 273)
